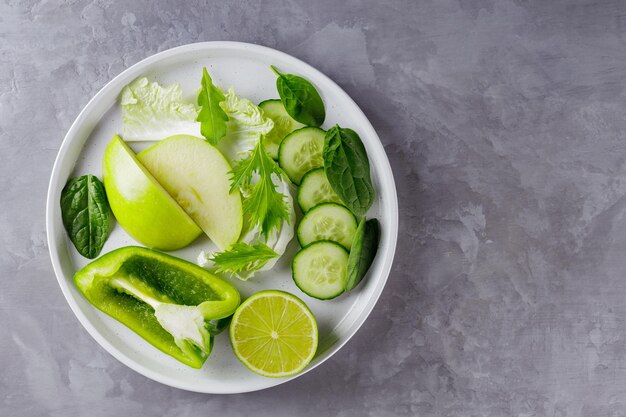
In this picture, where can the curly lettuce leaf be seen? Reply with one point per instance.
(243, 257)
(153, 112)
(264, 204)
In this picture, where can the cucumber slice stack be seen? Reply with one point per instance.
(337, 250)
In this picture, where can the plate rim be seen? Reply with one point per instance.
(64, 149)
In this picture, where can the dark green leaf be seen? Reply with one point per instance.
(211, 116)
(86, 214)
(300, 98)
(348, 169)
(243, 257)
(364, 247)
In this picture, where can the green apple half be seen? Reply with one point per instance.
(197, 175)
(140, 204)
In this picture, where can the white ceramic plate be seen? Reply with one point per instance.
(245, 67)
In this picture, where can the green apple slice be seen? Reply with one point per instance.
(141, 206)
(197, 175)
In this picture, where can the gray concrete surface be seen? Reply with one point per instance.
(504, 122)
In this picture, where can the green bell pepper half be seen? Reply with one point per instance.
(173, 304)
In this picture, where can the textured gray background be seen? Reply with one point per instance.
(503, 121)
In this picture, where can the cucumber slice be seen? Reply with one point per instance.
(283, 125)
(320, 269)
(301, 151)
(315, 189)
(327, 221)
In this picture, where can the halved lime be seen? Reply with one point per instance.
(274, 334)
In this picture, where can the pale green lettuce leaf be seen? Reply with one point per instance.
(246, 124)
(154, 112)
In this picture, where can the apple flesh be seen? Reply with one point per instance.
(197, 176)
(140, 204)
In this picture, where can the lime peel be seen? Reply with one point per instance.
(274, 334)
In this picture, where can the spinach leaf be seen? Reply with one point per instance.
(212, 117)
(86, 214)
(348, 169)
(364, 247)
(300, 98)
